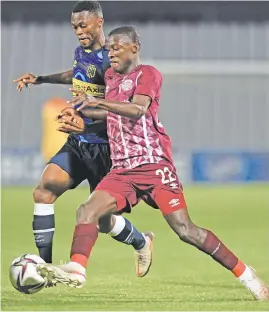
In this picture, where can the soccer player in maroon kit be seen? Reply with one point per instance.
(142, 168)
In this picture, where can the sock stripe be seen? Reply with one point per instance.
(130, 235)
(216, 250)
(118, 227)
(43, 209)
(239, 269)
(44, 231)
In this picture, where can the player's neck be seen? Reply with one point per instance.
(99, 43)
(132, 66)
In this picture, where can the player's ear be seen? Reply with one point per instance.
(134, 48)
(101, 22)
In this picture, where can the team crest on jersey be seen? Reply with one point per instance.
(91, 70)
(127, 85)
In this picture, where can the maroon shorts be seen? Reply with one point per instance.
(156, 184)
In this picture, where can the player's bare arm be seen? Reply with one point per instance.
(59, 78)
(136, 109)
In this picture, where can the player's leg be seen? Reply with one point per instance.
(62, 173)
(122, 230)
(210, 244)
(167, 195)
(85, 235)
(98, 163)
(108, 198)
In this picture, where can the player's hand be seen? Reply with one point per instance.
(82, 98)
(70, 121)
(79, 97)
(90, 102)
(68, 111)
(25, 80)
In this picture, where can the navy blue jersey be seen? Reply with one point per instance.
(89, 70)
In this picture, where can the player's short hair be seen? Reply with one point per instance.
(130, 31)
(91, 6)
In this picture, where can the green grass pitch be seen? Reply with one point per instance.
(181, 277)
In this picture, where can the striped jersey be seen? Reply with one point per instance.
(134, 142)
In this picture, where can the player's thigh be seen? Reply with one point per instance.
(65, 169)
(96, 158)
(121, 189)
(165, 191)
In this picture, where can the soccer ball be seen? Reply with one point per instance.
(23, 275)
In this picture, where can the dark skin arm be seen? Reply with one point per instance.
(91, 113)
(136, 109)
(60, 78)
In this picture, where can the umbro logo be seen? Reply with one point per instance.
(174, 185)
(174, 202)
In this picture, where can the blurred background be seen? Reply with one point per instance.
(214, 57)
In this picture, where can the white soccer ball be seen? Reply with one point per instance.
(23, 275)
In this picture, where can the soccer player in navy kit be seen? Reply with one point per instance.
(84, 155)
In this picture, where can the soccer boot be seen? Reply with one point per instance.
(257, 287)
(71, 274)
(143, 257)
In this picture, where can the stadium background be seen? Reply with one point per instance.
(214, 57)
(215, 62)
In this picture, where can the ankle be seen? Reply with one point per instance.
(79, 260)
(239, 269)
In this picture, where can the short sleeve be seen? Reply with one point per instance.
(149, 82)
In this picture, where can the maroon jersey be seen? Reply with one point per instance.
(134, 142)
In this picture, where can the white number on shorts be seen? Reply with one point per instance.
(167, 175)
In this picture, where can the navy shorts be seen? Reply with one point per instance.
(83, 161)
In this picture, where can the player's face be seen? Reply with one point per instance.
(122, 53)
(87, 27)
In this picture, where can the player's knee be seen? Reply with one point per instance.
(182, 225)
(184, 230)
(191, 234)
(43, 196)
(95, 209)
(87, 213)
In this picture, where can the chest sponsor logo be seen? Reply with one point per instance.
(89, 88)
